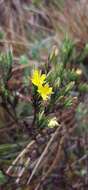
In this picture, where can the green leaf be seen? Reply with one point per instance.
(57, 82)
(83, 87)
(24, 60)
(69, 86)
(42, 120)
(9, 57)
(68, 102)
(67, 50)
(36, 2)
(2, 178)
(1, 35)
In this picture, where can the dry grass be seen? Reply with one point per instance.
(25, 23)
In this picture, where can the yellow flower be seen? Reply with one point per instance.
(45, 91)
(37, 78)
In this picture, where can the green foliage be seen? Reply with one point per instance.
(66, 50)
(8, 98)
(60, 76)
(2, 178)
(83, 53)
(42, 120)
(71, 75)
(82, 118)
(68, 102)
(36, 2)
(1, 35)
(23, 60)
(83, 88)
(69, 87)
(6, 61)
(81, 59)
(23, 109)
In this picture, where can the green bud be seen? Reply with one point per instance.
(57, 82)
(69, 86)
